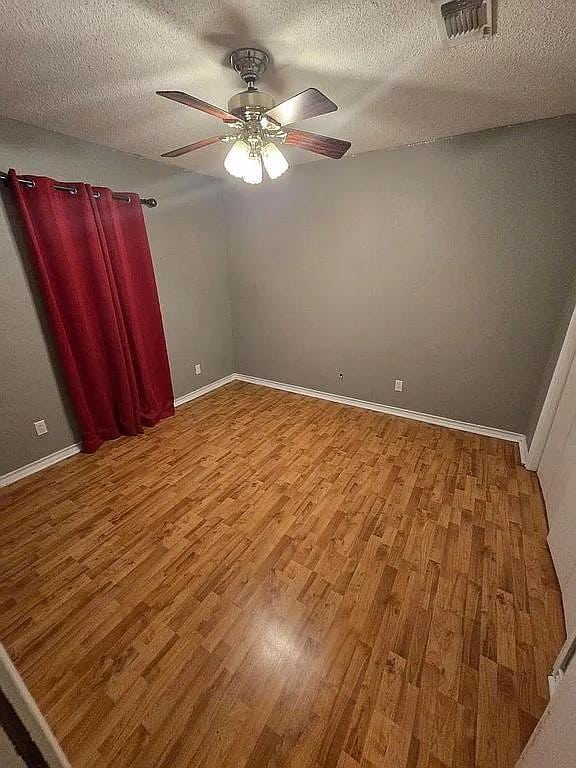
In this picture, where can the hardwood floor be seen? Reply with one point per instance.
(272, 580)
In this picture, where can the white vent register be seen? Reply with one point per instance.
(460, 21)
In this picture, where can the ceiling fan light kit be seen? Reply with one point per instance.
(257, 125)
(274, 161)
(252, 172)
(236, 158)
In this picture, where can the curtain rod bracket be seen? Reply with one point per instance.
(149, 202)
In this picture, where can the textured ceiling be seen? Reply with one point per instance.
(89, 68)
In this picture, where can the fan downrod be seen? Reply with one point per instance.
(250, 63)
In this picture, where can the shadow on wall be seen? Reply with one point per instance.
(17, 230)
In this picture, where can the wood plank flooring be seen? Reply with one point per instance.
(272, 580)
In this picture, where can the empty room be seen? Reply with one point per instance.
(288, 384)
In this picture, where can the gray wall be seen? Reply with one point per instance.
(447, 265)
(188, 244)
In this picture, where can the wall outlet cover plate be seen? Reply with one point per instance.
(40, 427)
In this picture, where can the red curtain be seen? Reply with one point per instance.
(95, 272)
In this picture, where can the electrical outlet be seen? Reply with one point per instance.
(40, 427)
(398, 385)
(197, 369)
(341, 376)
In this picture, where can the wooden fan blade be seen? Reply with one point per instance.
(314, 142)
(203, 106)
(309, 103)
(192, 147)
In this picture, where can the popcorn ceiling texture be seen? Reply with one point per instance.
(89, 69)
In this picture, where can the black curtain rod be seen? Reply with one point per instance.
(150, 202)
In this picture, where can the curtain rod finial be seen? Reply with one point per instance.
(151, 202)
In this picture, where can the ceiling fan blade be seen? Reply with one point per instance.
(314, 142)
(203, 106)
(309, 103)
(191, 147)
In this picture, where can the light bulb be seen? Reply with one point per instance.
(274, 161)
(236, 160)
(253, 170)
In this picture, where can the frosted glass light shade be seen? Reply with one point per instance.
(236, 161)
(253, 170)
(274, 161)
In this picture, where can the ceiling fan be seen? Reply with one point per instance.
(257, 125)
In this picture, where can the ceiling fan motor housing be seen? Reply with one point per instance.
(251, 100)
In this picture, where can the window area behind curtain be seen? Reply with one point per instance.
(95, 272)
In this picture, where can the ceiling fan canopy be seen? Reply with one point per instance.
(257, 125)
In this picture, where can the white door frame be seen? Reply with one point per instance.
(555, 389)
(24, 712)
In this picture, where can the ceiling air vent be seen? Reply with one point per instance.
(462, 20)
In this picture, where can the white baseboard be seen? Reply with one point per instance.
(428, 418)
(440, 421)
(71, 450)
(39, 464)
(204, 390)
